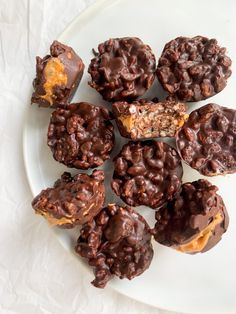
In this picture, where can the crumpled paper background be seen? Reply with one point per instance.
(36, 274)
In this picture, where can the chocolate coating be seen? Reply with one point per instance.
(123, 68)
(72, 200)
(147, 173)
(57, 76)
(147, 119)
(189, 214)
(193, 68)
(207, 141)
(117, 242)
(81, 136)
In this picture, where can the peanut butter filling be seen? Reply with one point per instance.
(127, 122)
(56, 221)
(198, 243)
(180, 122)
(55, 75)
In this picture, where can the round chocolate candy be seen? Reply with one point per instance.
(123, 69)
(81, 136)
(72, 200)
(193, 69)
(117, 242)
(147, 173)
(194, 221)
(207, 141)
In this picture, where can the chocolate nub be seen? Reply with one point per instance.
(207, 140)
(57, 76)
(117, 242)
(147, 119)
(123, 69)
(193, 69)
(72, 200)
(194, 221)
(81, 136)
(147, 173)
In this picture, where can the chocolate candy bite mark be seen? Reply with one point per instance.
(193, 69)
(57, 76)
(147, 173)
(199, 243)
(123, 68)
(81, 136)
(117, 242)
(206, 142)
(194, 221)
(72, 200)
(146, 119)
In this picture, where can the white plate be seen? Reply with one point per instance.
(197, 284)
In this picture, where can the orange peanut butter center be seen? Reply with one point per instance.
(56, 221)
(55, 76)
(198, 243)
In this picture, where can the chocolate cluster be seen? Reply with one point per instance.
(81, 136)
(147, 173)
(194, 221)
(123, 68)
(57, 76)
(146, 119)
(73, 200)
(117, 242)
(207, 141)
(193, 69)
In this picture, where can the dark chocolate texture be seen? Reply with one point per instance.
(147, 119)
(57, 76)
(81, 136)
(147, 173)
(207, 141)
(193, 69)
(123, 69)
(117, 242)
(72, 200)
(194, 221)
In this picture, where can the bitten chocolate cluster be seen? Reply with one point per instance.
(193, 221)
(72, 200)
(57, 76)
(189, 217)
(146, 119)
